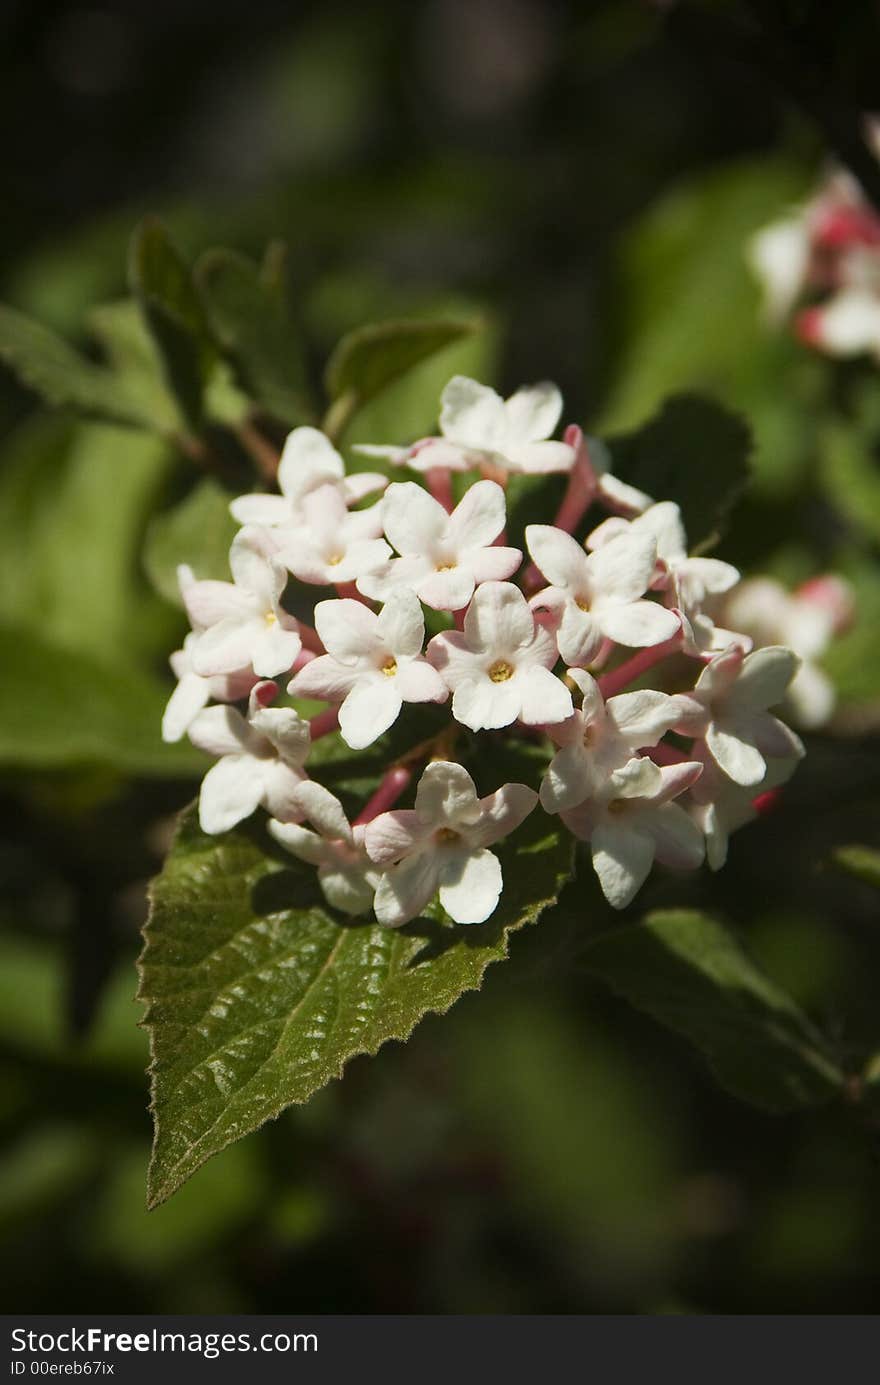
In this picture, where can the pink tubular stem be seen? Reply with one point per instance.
(615, 681)
(387, 794)
(305, 656)
(439, 479)
(349, 591)
(581, 483)
(310, 638)
(324, 723)
(666, 755)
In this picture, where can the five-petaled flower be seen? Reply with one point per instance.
(498, 667)
(443, 844)
(332, 544)
(309, 460)
(443, 556)
(261, 760)
(599, 596)
(242, 623)
(729, 708)
(372, 666)
(632, 821)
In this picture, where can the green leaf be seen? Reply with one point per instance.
(689, 313)
(64, 377)
(371, 358)
(197, 531)
(173, 312)
(257, 994)
(249, 315)
(132, 353)
(691, 974)
(74, 500)
(60, 708)
(693, 452)
(861, 861)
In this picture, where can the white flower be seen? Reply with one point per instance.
(597, 597)
(261, 764)
(690, 581)
(309, 460)
(443, 843)
(346, 874)
(509, 433)
(600, 738)
(728, 707)
(242, 623)
(498, 667)
(721, 807)
(373, 664)
(193, 692)
(444, 556)
(632, 821)
(332, 544)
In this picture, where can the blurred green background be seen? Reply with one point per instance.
(585, 176)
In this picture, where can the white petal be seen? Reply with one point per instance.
(764, 679)
(539, 458)
(622, 859)
(261, 509)
(281, 784)
(348, 630)
(498, 619)
(231, 791)
(447, 795)
(719, 676)
(639, 624)
(623, 568)
(253, 569)
(482, 705)
(714, 576)
(544, 697)
(493, 564)
(286, 730)
(811, 697)
(325, 678)
(473, 415)
(619, 496)
(740, 760)
(299, 841)
(370, 708)
(347, 888)
(848, 323)
(454, 660)
(308, 460)
(533, 412)
(414, 521)
(677, 838)
(774, 738)
(184, 704)
(478, 518)
(418, 681)
(559, 557)
(579, 635)
(361, 558)
(391, 836)
(470, 884)
(665, 523)
(208, 603)
(275, 650)
(449, 590)
(221, 731)
(324, 811)
(400, 624)
(362, 483)
(570, 778)
(226, 646)
(404, 890)
(501, 813)
(642, 717)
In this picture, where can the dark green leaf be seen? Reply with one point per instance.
(861, 861)
(691, 974)
(164, 288)
(258, 995)
(370, 359)
(694, 452)
(63, 376)
(197, 531)
(131, 351)
(60, 708)
(249, 315)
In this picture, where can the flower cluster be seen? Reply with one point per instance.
(824, 260)
(556, 644)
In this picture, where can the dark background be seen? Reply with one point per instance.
(587, 176)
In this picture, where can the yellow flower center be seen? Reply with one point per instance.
(617, 806)
(334, 560)
(389, 668)
(445, 567)
(270, 618)
(589, 736)
(583, 603)
(500, 671)
(446, 834)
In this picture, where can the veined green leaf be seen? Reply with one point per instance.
(691, 974)
(257, 994)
